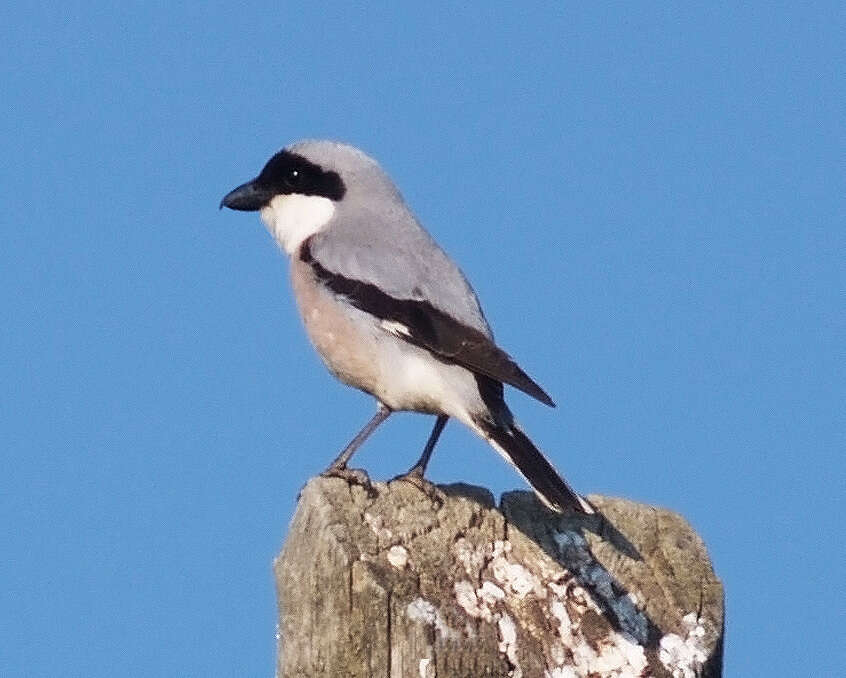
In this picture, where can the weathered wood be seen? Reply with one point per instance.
(398, 582)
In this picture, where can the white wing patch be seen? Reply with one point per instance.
(396, 328)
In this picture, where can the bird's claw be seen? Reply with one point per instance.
(353, 476)
(415, 477)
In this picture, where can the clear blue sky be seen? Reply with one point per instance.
(649, 202)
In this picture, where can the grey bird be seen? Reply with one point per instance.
(387, 310)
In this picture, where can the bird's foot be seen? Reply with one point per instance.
(353, 476)
(415, 477)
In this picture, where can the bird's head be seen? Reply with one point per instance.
(300, 189)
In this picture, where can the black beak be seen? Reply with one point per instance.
(249, 197)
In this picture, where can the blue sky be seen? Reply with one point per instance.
(648, 200)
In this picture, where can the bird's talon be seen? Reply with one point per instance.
(353, 476)
(415, 477)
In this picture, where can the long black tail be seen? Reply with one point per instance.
(510, 441)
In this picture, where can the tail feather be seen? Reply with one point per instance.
(551, 488)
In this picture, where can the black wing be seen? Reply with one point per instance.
(423, 325)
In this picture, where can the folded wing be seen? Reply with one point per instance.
(421, 323)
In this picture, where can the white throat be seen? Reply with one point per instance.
(291, 219)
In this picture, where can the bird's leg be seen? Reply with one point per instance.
(415, 474)
(419, 469)
(338, 468)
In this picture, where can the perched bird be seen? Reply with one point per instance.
(387, 310)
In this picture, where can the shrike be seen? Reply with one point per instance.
(387, 310)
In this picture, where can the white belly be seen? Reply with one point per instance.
(411, 379)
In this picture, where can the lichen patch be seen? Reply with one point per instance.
(398, 557)
(423, 611)
(684, 657)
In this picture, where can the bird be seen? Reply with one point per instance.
(387, 310)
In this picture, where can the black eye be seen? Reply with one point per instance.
(293, 177)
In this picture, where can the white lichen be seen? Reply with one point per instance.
(376, 524)
(465, 596)
(513, 576)
(398, 557)
(470, 557)
(560, 672)
(615, 656)
(478, 603)
(490, 593)
(568, 596)
(618, 654)
(508, 642)
(684, 657)
(575, 550)
(423, 611)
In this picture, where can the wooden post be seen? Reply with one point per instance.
(397, 582)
